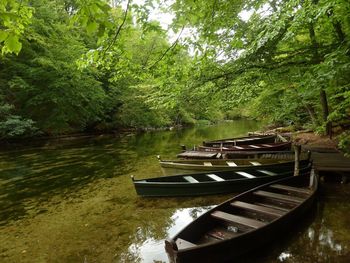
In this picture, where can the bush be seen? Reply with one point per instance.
(344, 142)
(13, 126)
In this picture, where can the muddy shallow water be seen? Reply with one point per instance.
(73, 201)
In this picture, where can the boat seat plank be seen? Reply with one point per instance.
(291, 188)
(215, 177)
(237, 219)
(267, 172)
(272, 206)
(258, 208)
(207, 164)
(245, 174)
(255, 163)
(230, 163)
(216, 235)
(281, 197)
(191, 179)
(254, 146)
(221, 233)
(266, 145)
(182, 244)
(238, 147)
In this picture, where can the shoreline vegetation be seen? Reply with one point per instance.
(297, 135)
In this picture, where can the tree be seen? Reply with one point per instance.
(290, 43)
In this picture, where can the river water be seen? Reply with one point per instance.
(73, 201)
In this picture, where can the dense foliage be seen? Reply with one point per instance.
(73, 65)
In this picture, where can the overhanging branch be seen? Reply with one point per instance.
(173, 45)
(119, 29)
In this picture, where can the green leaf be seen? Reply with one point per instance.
(91, 27)
(12, 44)
(3, 35)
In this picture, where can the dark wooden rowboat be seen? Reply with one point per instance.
(247, 221)
(277, 146)
(241, 141)
(217, 182)
(236, 154)
(185, 166)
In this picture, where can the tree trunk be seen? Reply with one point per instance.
(312, 114)
(336, 25)
(339, 31)
(323, 96)
(325, 110)
(314, 44)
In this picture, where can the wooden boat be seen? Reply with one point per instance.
(247, 221)
(276, 146)
(236, 154)
(217, 182)
(241, 141)
(182, 166)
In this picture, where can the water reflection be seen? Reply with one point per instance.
(146, 248)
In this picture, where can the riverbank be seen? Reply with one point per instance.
(306, 137)
(314, 140)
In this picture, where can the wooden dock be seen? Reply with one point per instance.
(329, 160)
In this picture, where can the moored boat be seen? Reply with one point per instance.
(210, 182)
(186, 166)
(247, 221)
(194, 154)
(276, 146)
(254, 139)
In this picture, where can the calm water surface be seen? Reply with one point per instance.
(73, 201)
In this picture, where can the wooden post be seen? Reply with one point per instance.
(297, 150)
(281, 138)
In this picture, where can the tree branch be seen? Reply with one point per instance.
(173, 45)
(119, 29)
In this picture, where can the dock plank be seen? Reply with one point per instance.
(330, 161)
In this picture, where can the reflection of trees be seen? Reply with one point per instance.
(151, 226)
(328, 237)
(197, 211)
(321, 242)
(167, 143)
(154, 226)
(321, 236)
